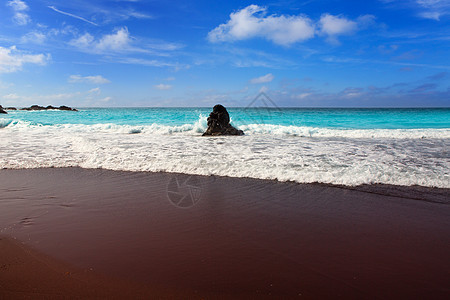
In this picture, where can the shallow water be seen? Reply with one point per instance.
(338, 146)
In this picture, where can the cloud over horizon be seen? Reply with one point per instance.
(163, 87)
(263, 79)
(97, 79)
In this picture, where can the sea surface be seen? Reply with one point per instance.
(337, 146)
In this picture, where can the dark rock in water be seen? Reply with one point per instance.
(219, 123)
(2, 111)
(63, 107)
(10, 108)
(38, 107)
(34, 107)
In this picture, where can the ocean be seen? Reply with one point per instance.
(335, 146)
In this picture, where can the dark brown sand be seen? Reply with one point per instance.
(28, 274)
(105, 234)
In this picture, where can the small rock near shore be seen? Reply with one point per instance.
(219, 123)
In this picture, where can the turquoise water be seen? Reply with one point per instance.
(317, 118)
(337, 146)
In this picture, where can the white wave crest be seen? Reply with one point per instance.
(285, 153)
(4, 122)
(303, 131)
(200, 126)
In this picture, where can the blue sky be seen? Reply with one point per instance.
(316, 53)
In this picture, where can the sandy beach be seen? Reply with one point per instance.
(225, 149)
(80, 233)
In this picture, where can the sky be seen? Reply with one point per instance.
(312, 53)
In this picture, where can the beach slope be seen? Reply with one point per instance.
(166, 235)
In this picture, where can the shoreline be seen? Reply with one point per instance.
(231, 237)
(414, 192)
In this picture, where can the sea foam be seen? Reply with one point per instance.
(200, 126)
(4, 122)
(286, 153)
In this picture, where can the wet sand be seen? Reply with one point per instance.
(96, 233)
(28, 274)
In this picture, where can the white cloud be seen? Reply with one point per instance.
(91, 96)
(152, 63)
(285, 30)
(351, 92)
(65, 30)
(163, 87)
(139, 15)
(164, 46)
(96, 91)
(433, 3)
(11, 97)
(12, 60)
(263, 79)
(365, 21)
(435, 9)
(44, 99)
(118, 41)
(106, 99)
(434, 15)
(34, 37)
(334, 26)
(18, 5)
(251, 22)
(20, 16)
(428, 9)
(83, 41)
(62, 96)
(302, 96)
(97, 79)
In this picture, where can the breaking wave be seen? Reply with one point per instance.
(266, 151)
(200, 126)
